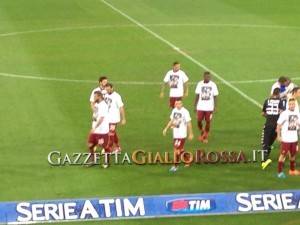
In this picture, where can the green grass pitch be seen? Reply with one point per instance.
(72, 42)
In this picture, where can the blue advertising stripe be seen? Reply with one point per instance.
(149, 206)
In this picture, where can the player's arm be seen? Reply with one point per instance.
(281, 108)
(92, 101)
(190, 130)
(97, 124)
(186, 88)
(169, 125)
(196, 102)
(215, 104)
(162, 93)
(278, 130)
(264, 108)
(92, 105)
(122, 113)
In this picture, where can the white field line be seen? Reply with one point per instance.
(184, 54)
(150, 25)
(129, 82)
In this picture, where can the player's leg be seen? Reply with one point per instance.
(116, 138)
(293, 152)
(208, 118)
(267, 138)
(104, 143)
(117, 143)
(172, 102)
(178, 148)
(186, 158)
(273, 136)
(284, 151)
(111, 136)
(92, 143)
(200, 117)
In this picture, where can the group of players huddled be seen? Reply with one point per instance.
(281, 110)
(108, 111)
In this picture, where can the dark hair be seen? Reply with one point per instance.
(206, 73)
(109, 85)
(176, 63)
(102, 78)
(276, 91)
(282, 79)
(292, 99)
(98, 93)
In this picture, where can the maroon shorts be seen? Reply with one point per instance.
(179, 143)
(98, 139)
(207, 115)
(289, 147)
(172, 101)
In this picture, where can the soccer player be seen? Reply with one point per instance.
(295, 95)
(271, 109)
(101, 88)
(182, 126)
(116, 114)
(281, 84)
(287, 126)
(286, 86)
(100, 125)
(205, 104)
(178, 82)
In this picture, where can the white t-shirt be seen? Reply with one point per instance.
(114, 102)
(206, 92)
(180, 119)
(176, 81)
(101, 110)
(290, 121)
(103, 92)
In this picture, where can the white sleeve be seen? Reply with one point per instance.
(198, 89)
(184, 77)
(215, 90)
(119, 101)
(281, 119)
(187, 116)
(167, 78)
(172, 115)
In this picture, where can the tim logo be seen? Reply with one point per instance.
(190, 205)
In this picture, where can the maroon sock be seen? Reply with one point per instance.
(280, 166)
(200, 126)
(207, 127)
(292, 165)
(177, 158)
(91, 150)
